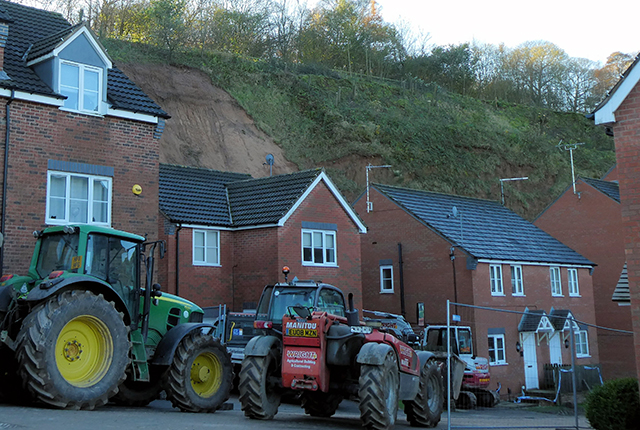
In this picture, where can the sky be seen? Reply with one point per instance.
(582, 28)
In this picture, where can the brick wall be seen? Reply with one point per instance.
(40, 133)
(627, 139)
(591, 224)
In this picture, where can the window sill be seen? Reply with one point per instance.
(197, 264)
(497, 294)
(557, 295)
(518, 295)
(319, 265)
(583, 356)
(61, 222)
(575, 295)
(498, 364)
(386, 292)
(82, 112)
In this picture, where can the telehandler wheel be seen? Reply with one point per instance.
(259, 391)
(378, 392)
(426, 409)
(320, 404)
(201, 374)
(73, 350)
(139, 393)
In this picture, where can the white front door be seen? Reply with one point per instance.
(555, 349)
(530, 356)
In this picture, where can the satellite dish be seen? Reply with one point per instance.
(269, 159)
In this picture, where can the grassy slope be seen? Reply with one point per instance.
(434, 139)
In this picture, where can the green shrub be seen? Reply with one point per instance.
(614, 405)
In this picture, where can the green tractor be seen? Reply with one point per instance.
(80, 328)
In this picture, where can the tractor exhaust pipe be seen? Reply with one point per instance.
(353, 317)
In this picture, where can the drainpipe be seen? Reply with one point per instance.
(6, 175)
(403, 311)
(179, 227)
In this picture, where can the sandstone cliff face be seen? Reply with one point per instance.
(207, 127)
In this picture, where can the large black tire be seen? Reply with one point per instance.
(139, 393)
(73, 350)
(201, 374)
(378, 393)
(260, 395)
(426, 409)
(320, 404)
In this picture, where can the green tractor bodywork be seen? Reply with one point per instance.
(83, 307)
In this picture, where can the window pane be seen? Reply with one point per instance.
(198, 239)
(90, 90)
(306, 255)
(212, 255)
(306, 239)
(317, 239)
(100, 212)
(317, 255)
(58, 186)
(198, 254)
(79, 188)
(91, 80)
(70, 85)
(331, 257)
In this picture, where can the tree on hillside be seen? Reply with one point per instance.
(579, 84)
(450, 66)
(166, 24)
(349, 34)
(536, 69)
(608, 75)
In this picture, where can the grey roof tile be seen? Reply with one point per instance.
(609, 188)
(35, 32)
(483, 228)
(558, 318)
(193, 195)
(267, 200)
(530, 320)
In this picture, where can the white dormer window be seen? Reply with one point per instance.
(82, 85)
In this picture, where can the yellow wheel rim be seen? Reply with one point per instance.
(84, 351)
(206, 374)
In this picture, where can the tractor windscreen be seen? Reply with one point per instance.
(465, 344)
(283, 297)
(57, 252)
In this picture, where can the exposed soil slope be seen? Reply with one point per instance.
(207, 127)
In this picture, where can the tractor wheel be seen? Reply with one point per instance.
(139, 393)
(73, 350)
(378, 392)
(320, 404)
(201, 374)
(466, 400)
(426, 409)
(259, 390)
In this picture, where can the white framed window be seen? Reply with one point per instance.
(572, 281)
(318, 248)
(497, 288)
(78, 198)
(82, 84)
(497, 353)
(556, 284)
(517, 288)
(386, 279)
(582, 343)
(206, 248)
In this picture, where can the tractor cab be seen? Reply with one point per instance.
(280, 299)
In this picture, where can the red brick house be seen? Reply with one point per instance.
(229, 235)
(620, 114)
(429, 247)
(590, 222)
(78, 134)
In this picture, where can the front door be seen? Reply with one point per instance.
(530, 356)
(555, 349)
